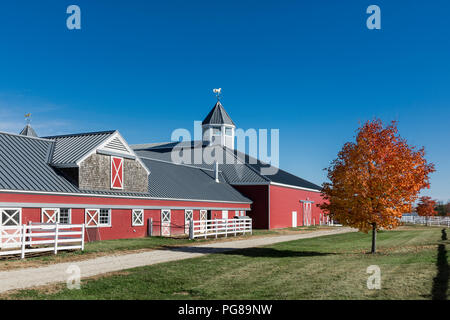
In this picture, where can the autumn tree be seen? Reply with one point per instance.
(375, 179)
(426, 207)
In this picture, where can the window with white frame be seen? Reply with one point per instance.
(137, 217)
(228, 131)
(216, 132)
(104, 218)
(65, 216)
(10, 217)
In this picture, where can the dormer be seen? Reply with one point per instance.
(99, 161)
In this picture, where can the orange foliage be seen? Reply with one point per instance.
(375, 179)
(426, 206)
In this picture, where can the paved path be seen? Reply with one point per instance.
(30, 277)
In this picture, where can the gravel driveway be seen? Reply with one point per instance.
(30, 277)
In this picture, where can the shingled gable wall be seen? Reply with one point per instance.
(95, 174)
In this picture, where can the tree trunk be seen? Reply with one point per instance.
(374, 237)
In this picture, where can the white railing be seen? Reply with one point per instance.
(48, 237)
(429, 221)
(219, 227)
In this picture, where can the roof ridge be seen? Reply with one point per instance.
(23, 136)
(177, 164)
(80, 134)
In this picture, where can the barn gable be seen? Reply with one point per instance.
(99, 161)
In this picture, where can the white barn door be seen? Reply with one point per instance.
(165, 222)
(203, 218)
(294, 219)
(10, 218)
(188, 216)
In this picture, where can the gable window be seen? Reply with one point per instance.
(116, 173)
(10, 217)
(104, 219)
(137, 217)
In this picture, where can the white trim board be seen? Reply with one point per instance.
(116, 196)
(294, 187)
(16, 205)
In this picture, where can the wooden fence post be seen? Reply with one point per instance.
(83, 226)
(24, 230)
(217, 227)
(56, 238)
(191, 229)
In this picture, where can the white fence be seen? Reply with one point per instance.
(219, 227)
(48, 237)
(429, 221)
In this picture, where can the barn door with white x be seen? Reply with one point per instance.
(91, 218)
(50, 215)
(116, 173)
(188, 216)
(165, 222)
(138, 217)
(203, 217)
(10, 238)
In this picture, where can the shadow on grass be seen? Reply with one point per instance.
(440, 282)
(249, 252)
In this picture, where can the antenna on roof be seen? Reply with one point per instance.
(218, 93)
(28, 118)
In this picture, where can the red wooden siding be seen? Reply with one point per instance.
(284, 200)
(260, 207)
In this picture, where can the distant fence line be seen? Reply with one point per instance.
(429, 221)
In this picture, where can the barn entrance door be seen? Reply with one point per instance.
(91, 219)
(224, 214)
(165, 223)
(307, 213)
(294, 219)
(10, 218)
(203, 218)
(188, 216)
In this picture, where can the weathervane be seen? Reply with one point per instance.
(218, 93)
(28, 117)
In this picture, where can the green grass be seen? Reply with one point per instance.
(414, 265)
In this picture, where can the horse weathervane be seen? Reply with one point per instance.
(218, 92)
(28, 117)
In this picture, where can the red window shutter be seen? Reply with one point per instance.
(116, 173)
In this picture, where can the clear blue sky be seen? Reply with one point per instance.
(309, 68)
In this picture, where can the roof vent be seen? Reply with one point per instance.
(116, 144)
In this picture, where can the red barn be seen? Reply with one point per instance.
(279, 199)
(98, 179)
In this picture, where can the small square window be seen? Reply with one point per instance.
(216, 132)
(137, 217)
(64, 216)
(105, 217)
(228, 131)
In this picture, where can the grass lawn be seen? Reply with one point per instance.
(121, 246)
(413, 263)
